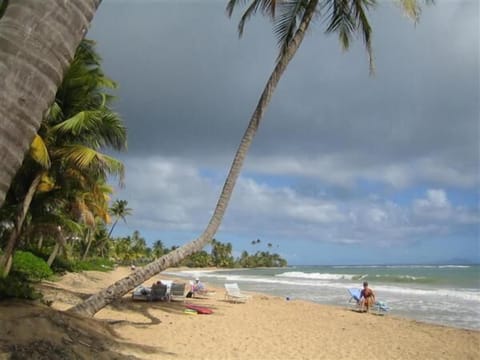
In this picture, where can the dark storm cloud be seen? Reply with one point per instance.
(189, 85)
(183, 72)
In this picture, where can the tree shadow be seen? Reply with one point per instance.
(65, 335)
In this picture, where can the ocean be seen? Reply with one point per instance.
(439, 294)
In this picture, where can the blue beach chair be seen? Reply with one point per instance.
(354, 295)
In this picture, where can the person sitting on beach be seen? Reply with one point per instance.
(198, 287)
(367, 297)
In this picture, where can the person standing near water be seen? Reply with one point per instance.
(367, 297)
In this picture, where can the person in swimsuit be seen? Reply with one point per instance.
(367, 298)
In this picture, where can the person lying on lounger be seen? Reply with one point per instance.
(367, 298)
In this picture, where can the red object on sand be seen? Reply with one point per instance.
(199, 309)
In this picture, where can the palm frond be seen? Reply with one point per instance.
(82, 121)
(97, 128)
(286, 23)
(46, 184)
(267, 7)
(251, 10)
(111, 132)
(232, 4)
(341, 20)
(348, 17)
(360, 7)
(88, 159)
(54, 113)
(39, 152)
(411, 8)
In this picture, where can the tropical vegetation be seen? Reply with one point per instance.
(59, 200)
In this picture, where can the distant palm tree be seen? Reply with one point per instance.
(120, 210)
(158, 248)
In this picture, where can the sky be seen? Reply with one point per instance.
(346, 168)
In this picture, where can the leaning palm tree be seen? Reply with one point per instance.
(291, 19)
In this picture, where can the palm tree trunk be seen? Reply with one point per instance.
(89, 243)
(60, 243)
(40, 241)
(113, 227)
(6, 259)
(97, 301)
(53, 255)
(38, 40)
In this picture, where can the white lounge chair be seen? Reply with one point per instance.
(233, 294)
(177, 291)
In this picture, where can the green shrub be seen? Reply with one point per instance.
(61, 265)
(33, 267)
(16, 285)
(96, 264)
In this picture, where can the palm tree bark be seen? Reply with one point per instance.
(38, 40)
(6, 259)
(53, 255)
(60, 242)
(113, 227)
(89, 243)
(97, 301)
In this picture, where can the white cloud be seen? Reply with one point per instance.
(344, 170)
(170, 195)
(434, 206)
(167, 194)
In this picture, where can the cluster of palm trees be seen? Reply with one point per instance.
(41, 67)
(59, 199)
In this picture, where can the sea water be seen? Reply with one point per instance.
(440, 294)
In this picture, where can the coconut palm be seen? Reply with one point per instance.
(291, 20)
(77, 125)
(33, 64)
(120, 210)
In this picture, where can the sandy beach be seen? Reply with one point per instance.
(264, 327)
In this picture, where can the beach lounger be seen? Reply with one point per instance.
(380, 307)
(159, 292)
(177, 291)
(155, 293)
(233, 294)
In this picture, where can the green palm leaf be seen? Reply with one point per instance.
(80, 122)
(98, 128)
(89, 159)
(267, 7)
(286, 23)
